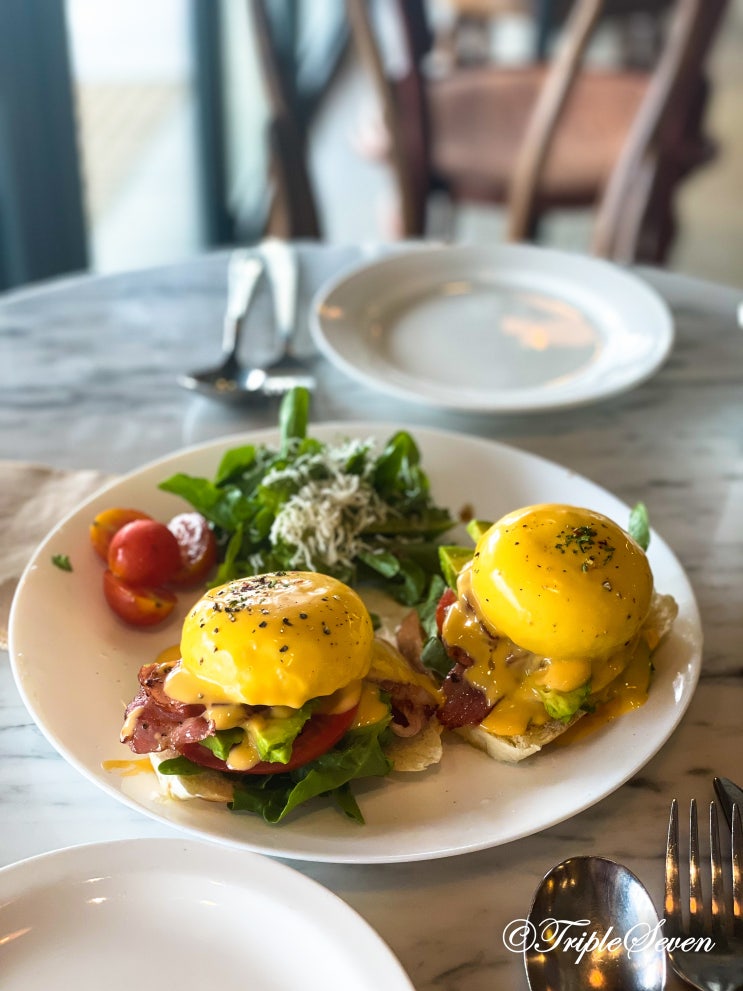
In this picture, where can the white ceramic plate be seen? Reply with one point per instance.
(188, 915)
(76, 667)
(508, 328)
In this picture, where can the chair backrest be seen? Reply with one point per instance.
(294, 209)
(403, 109)
(673, 103)
(666, 135)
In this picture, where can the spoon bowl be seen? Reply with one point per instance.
(238, 383)
(593, 924)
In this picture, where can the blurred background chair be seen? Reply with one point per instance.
(466, 38)
(293, 212)
(237, 116)
(553, 134)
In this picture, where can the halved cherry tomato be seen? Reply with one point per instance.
(319, 734)
(448, 598)
(144, 552)
(198, 547)
(109, 522)
(136, 605)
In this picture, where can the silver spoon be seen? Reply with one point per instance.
(230, 380)
(609, 914)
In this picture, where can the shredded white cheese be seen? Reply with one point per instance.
(325, 519)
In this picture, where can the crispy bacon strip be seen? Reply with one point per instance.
(412, 707)
(465, 704)
(154, 722)
(410, 639)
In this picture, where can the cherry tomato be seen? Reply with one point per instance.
(136, 605)
(319, 734)
(198, 547)
(109, 522)
(144, 552)
(448, 598)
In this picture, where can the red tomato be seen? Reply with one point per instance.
(198, 547)
(448, 598)
(319, 734)
(136, 605)
(109, 522)
(144, 552)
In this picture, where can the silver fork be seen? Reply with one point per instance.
(708, 952)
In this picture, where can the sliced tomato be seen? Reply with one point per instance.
(319, 734)
(144, 552)
(137, 605)
(109, 522)
(448, 598)
(198, 548)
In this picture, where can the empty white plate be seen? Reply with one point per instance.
(180, 914)
(507, 328)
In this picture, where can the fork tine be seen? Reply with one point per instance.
(696, 902)
(672, 902)
(719, 915)
(737, 858)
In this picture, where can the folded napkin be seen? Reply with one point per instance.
(33, 499)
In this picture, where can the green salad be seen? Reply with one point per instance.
(345, 509)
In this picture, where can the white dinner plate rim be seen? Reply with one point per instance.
(256, 875)
(534, 400)
(357, 852)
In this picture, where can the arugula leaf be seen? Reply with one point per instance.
(345, 801)
(639, 525)
(181, 766)
(427, 608)
(293, 417)
(435, 658)
(381, 561)
(235, 462)
(62, 561)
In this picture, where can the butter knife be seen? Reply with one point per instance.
(729, 795)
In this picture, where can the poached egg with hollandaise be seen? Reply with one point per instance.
(275, 675)
(554, 616)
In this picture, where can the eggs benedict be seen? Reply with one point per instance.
(279, 692)
(554, 616)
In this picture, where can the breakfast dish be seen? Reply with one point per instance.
(278, 693)
(553, 617)
(498, 328)
(465, 802)
(82, 917)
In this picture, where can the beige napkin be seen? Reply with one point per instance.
(33, 499)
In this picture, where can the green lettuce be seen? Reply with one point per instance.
(359, 754)
(254, 483)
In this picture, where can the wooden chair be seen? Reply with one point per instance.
(552, 135)
(293, 211)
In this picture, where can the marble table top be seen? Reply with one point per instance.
(88, 380)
